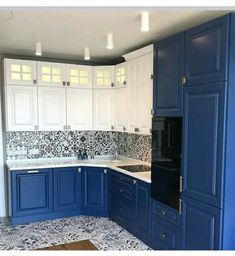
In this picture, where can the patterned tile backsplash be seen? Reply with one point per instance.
(53, 144)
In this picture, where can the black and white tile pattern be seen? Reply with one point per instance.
(102, 232)
(54, 144)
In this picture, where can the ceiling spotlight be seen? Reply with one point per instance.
(38, 50)
(110, 41)
(87, 53)
(144, 21)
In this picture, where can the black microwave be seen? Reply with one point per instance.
(166, 160)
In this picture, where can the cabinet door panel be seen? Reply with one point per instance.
(67, 189)
(168, 71)
(132, 95)
(103, 77)
(79, 76)
(201, 226)
(144, 93)
(20, 72)
(206, 52)
(52, 108)
(142, 223)
(51, 74)
(103, 109)
(121, 75)
(31, 193)
(95, 191)
(79, 109)
(203, 143)
(22, 110)
(121, 108)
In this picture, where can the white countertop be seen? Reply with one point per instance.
(72, 162)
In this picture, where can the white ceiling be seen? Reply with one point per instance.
(64, 32)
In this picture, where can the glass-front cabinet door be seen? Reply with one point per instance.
(120, 75)
(79, 76)
(103, 77)
(20, 72)
(51, 74)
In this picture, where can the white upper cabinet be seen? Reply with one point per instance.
(51, 74)
(140, 93)
(121, 75)
(132, 67)
(121, 109)
(52, 108)
(103, 77)
(22, 112)
(20, 72)
(103, 110)
(145, 93)
(79, 109)
(79, 76)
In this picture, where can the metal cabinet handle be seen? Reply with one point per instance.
(134, 182)
(120, 208)
(184, 80)
(163, 213)
(112, 84)
(105, 171)
(64, 83)
(124, 128)
(124, 82)
(33, 171)
(34, 81)
(163, 235)
(152, 112)
(35, 127)
(181, 183)
(151, 77)
(137, 129)
(79, 169)
(68, 83)
(112, 127)
(180, 206)
(120, 190)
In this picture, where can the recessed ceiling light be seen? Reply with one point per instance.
(144, 21)
(110, 41)
(38, 50)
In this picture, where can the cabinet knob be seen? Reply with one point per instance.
(120, 208)
(64, 83)
(163, 213)
(34, 81)
(105, 171)
(112, 84)
(137, 129)
(124, 128)
(134, 182)
(68, 127)
(35, 127)
(79, 169)
(120, 190)
(65, 127)
(120, 178)
(124, 82)
(112, 127)
(163, 235)
(151, 77)
(68, 83)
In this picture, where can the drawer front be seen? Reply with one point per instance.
(121, 189)
(165, 213)
(121, 178)
(122, 211)
(163, 235)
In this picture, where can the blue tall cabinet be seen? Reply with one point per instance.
(208, 108)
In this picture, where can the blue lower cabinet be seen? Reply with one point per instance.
(142, 210)
(94, 191)
(67, 191)
(164, 235)
(32, 195)
(201, 226)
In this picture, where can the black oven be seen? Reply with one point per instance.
(166, 159)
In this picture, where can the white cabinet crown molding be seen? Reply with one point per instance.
(138, 53)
